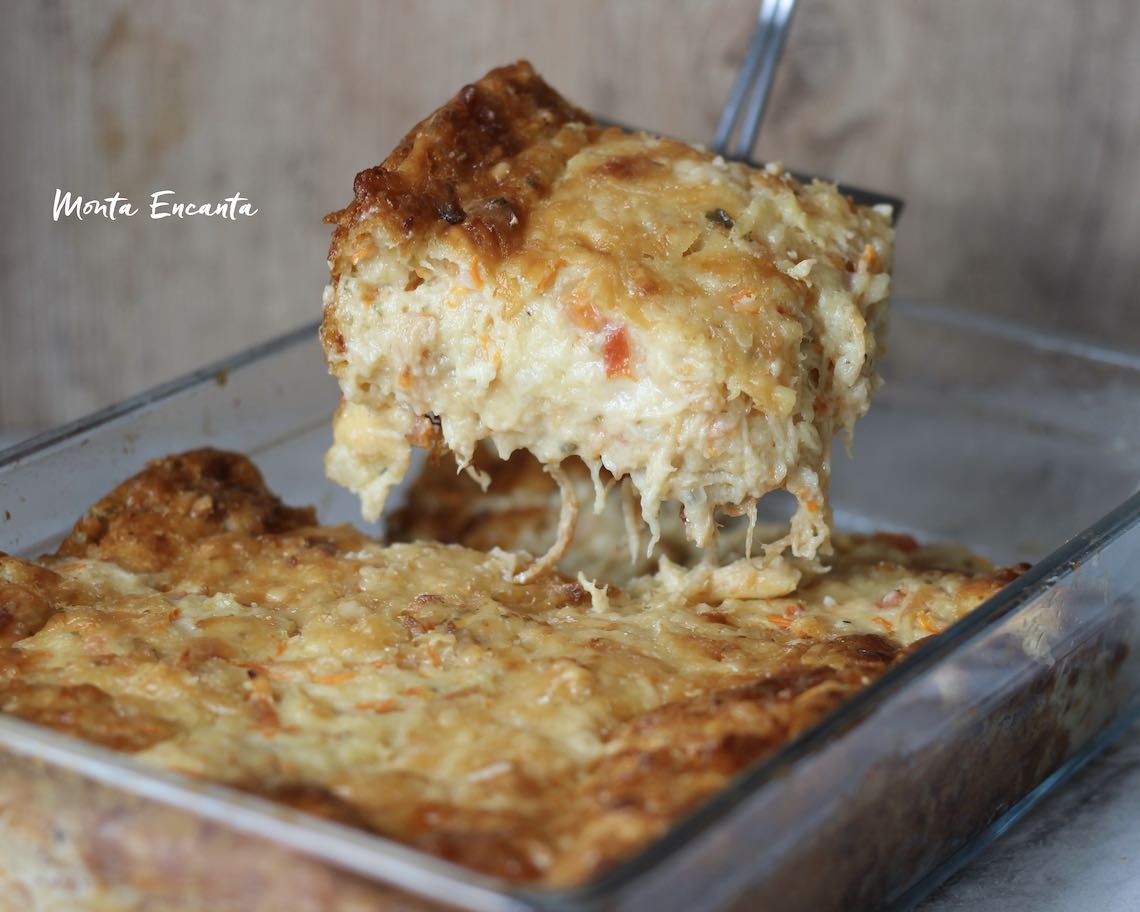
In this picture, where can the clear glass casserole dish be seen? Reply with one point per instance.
(1007, 441)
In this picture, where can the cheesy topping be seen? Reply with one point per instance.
(536, 731)
(700, 327)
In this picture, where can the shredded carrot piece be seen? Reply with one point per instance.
(378, 706)
(870, 260)
(615, 350)
(271, 730)
(582, 312)
(883, 622)
(780, 621)
(338, 678)
(547, 280)
(925, 623)
(742, 298)
(281, 647)
(476, 277)
(435, 659)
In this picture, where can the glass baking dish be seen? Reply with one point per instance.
(1021, 445)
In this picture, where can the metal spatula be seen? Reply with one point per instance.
(748, 100)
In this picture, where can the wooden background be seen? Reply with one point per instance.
(1012, 129)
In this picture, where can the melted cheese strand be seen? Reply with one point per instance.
(567, 520)
(631, 518)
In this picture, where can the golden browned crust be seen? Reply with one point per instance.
(536, 732)
(443, 172)
(31, 595)
(151, 518)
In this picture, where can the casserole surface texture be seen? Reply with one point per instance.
(514, 273)
(537, 732)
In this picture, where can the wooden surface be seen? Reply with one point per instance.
(1012, 130)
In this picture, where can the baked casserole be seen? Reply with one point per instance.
(537, 731)
(574, 313)
(515, 273)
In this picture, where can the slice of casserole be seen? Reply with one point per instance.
(539, 732)
(515, 273)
